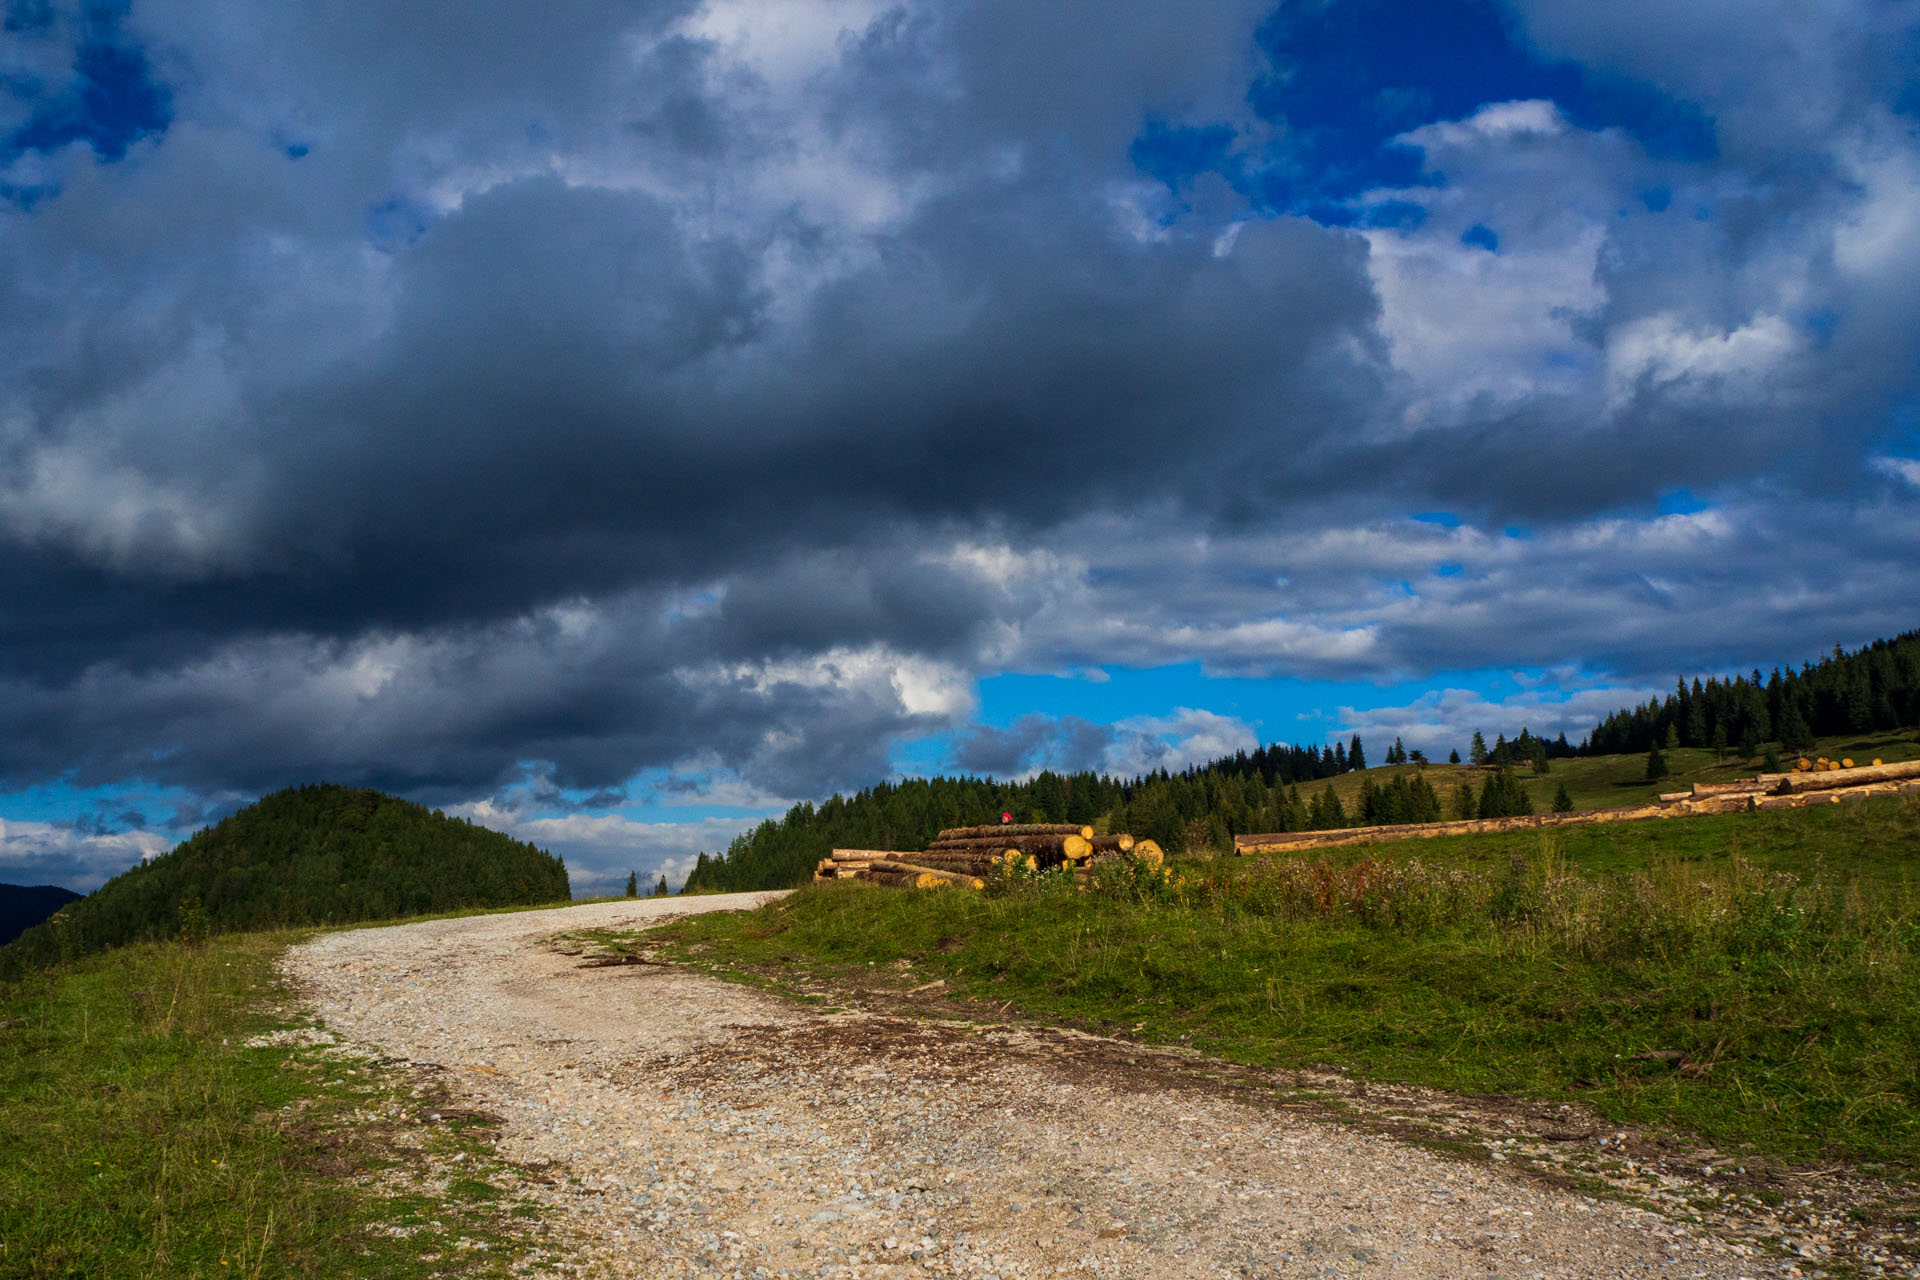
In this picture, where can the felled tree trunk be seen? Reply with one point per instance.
(960, 878)
(1015, 829)
(1795, 783)
(1071, 847)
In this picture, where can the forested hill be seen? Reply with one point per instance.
(309, 855)
(1869, 690)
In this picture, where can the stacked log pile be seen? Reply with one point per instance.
(1813, 782)
(964, 857)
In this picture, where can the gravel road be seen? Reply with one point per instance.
(682, 1126)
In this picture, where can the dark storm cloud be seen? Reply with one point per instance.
(591, 388)
(572, 398)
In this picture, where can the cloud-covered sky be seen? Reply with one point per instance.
(619, 420)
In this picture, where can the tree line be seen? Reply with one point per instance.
(1873, 689)
(1195, 809)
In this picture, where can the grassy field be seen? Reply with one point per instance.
(145, 1136)
(1748, 979)
(1606, 782)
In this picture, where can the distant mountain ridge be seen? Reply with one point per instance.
(319, 854)
(24, 906)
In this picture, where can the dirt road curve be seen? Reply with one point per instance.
(694, 1127)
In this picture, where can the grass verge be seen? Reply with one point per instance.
(1707, 992)
(161, 1121)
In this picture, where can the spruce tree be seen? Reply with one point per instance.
(1502, 796)
(1794, 733)
(1356, 754)
(1463, 804)
(1326, 812)
(1719, 742)
(660, 890)
(1453, 756)
(1562, 802)
(1697, 722)
(1656, 765)
(1772, 764)
(1477, 753)
(633, 884)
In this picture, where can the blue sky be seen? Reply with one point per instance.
(619, 422)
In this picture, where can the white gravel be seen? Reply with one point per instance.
(682, 1126)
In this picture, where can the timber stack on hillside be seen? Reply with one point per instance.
(965, 856)
(1812, 782)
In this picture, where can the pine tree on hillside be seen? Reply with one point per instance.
(1326, 811)
(1464, 806)
(1656, 765)
(633, 884)
(660, 890)
(1562, 802)
(1696, 718)
(1477, 753)
(1502, 796)
(1453, 756)
(1794, 733)
(1673, 737)
(1356, 754)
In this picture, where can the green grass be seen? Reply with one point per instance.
(144, 1137)
(1607, 782)
(1749, 979)
(1874, 841)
